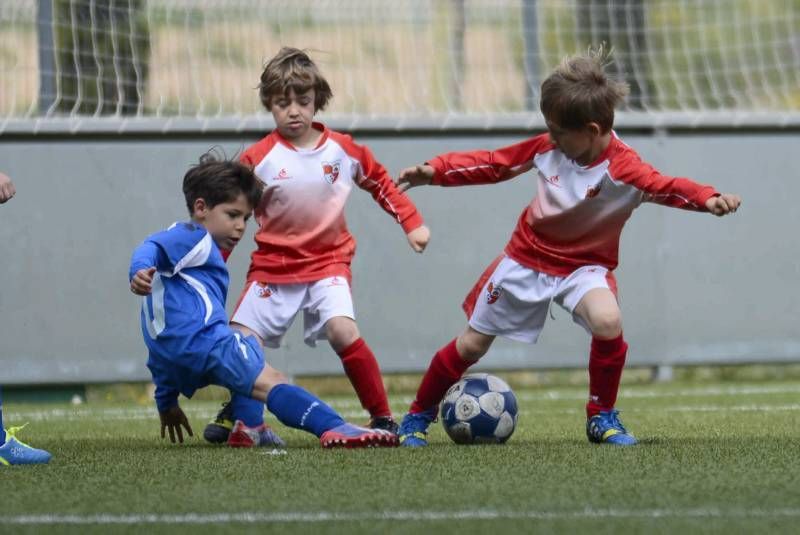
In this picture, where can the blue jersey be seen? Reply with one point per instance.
(184, 316)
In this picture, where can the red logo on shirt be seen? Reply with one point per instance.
(330, 171)
(493, 293)
(283, 174)
(552, 180)
(264, 290)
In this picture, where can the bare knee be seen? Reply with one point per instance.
(266, 381)
(472, 345)
(606, 324)
(600, 312)
(341, 332)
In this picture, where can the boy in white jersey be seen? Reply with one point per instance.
(181, 273)
(565, 244)
(12, 450)
(304, 249)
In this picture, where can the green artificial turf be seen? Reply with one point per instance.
(713, 458)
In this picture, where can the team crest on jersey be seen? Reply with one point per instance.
(330, 171)
(592, 191)
(493, 293)
(264, 290)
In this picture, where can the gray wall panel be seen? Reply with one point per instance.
(694, 288)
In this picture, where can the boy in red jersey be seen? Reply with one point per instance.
(564, 247)
(304, 249)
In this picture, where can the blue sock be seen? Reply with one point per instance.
(248, 410)
(300, 409)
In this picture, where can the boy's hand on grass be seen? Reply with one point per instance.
(418, 238)
(172, 419)
(142, 281)
(720, 205)
(419, 175)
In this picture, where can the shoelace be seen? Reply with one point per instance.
(11, 432)
(614, 418)
(419, 421)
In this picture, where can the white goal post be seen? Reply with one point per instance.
(193, 65)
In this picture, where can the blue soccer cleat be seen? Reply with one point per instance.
(16, 452)
(414, 428)
(605, 428)
(353, 436)
(261, 436)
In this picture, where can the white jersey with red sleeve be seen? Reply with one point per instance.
(577, 216)
(302, 233)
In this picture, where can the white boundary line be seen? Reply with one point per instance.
(146, 413)
(422, 516)
(635, 393)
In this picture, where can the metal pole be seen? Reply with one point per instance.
(47, 64)
(530, 35)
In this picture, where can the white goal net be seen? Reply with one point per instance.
(170, 65)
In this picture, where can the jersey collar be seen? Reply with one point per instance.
(315, 125)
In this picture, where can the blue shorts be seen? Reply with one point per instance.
(235, 363)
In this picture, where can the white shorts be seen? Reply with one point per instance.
(269, 309)
(511, 300)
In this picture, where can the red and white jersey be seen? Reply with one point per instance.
(302, 233)
(577, 216)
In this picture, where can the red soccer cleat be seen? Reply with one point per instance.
(253, 437)
(353, 436)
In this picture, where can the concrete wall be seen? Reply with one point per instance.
(694, 288)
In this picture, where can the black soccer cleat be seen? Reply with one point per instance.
(386, 423)
(218, 429)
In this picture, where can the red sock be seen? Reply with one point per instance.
(606, 359)
(362, 369)
(445, 370)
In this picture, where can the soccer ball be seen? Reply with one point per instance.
(479, 409)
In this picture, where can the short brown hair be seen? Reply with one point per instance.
(292, 69)
(217, 180)
(580, 91)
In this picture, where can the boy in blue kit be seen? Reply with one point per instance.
(181, 273)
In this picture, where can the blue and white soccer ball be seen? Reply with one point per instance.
(479, 409)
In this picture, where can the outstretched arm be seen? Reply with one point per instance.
(476, 167)
(410, 177)
(726, 203)
(418, 238)
(7, 189)
(676, 192)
